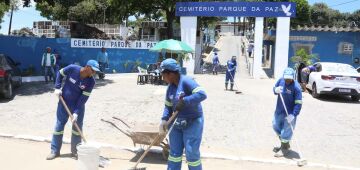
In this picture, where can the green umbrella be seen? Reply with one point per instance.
(172, 46)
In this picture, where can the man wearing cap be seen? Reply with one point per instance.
(103, 59)
(185, 96)
(230, 73)
(216, 63)
(291, 92)
(77, 88)
(48, 63)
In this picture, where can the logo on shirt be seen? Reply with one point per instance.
(288, 91)
(72, 80)
(171, 97)
(82, 87)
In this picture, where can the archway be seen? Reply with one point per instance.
(189, 11)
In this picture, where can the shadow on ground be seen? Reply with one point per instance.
(292, 155)
(152, 158)
(337, 99)
(103, 82)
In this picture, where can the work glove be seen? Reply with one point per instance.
(278, 89)
(58, 92)
(162, 128)
(180, 105)
(75, 117)
(290, 118)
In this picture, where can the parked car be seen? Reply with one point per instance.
(334, 79)
(10, 76)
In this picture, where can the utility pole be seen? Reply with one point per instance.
(11, 15)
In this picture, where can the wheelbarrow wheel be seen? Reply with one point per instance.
(165, 153)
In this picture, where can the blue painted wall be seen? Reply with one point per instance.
(326, 46)
(28, 51)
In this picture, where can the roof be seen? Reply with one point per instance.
(325, 28)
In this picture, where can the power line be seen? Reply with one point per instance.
(344, 3)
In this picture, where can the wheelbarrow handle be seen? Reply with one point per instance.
(173, 116)
(122, 131)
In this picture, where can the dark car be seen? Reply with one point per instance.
(10, 76)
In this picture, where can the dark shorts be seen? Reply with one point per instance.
(304, 77)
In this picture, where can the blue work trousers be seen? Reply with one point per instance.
(187, 137)
(61, 119)
(230, 76)
(282, 127)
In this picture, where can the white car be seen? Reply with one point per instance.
(334, 79)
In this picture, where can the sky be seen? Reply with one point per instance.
(25, 17)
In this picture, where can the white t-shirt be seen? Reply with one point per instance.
(48, 59)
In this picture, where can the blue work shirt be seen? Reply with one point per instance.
(231, 64)
(76, 91)
(194, 94)
(216, 60)
(102, 57)
(292, 95)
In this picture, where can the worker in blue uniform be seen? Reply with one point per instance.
(77, 88)
(230, 73)
(216, 63)
(185, 96)
(291, 92)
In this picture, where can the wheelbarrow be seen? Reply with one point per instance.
(142, 137)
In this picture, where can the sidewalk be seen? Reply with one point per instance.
(20, 154)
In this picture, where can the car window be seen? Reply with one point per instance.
(2, 61)
(340, 68)
(10, 61)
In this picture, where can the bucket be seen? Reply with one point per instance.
(88, 157)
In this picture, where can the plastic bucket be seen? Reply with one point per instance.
(88, 157)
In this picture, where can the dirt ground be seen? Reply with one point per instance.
(327, 130)
(19, 154)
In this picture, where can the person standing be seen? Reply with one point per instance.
(185, 96)
(76, 91)
(103, 60)
(48, 62)
(230, 73)
(250, 49)
(216, 63)
(282, 122)
(58, 59)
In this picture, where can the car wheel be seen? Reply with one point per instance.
(355, 98)
(314, 92)
(9, 90)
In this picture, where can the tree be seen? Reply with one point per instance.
(302, 56)
(4, 7)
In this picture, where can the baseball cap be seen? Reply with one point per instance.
(94, 65)
(169, 64)
(289, 73)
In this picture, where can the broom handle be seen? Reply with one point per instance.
(291, 126)
(72, 118)
(155, 140)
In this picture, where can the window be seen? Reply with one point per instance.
(345, 48)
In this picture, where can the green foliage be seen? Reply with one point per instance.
(3, 8)
(302, 56)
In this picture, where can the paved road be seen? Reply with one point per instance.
(328, 129)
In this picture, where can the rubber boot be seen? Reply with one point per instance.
(231, 87)
(226, 86)
(284, 150)
(52, 156)
(277, 148)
